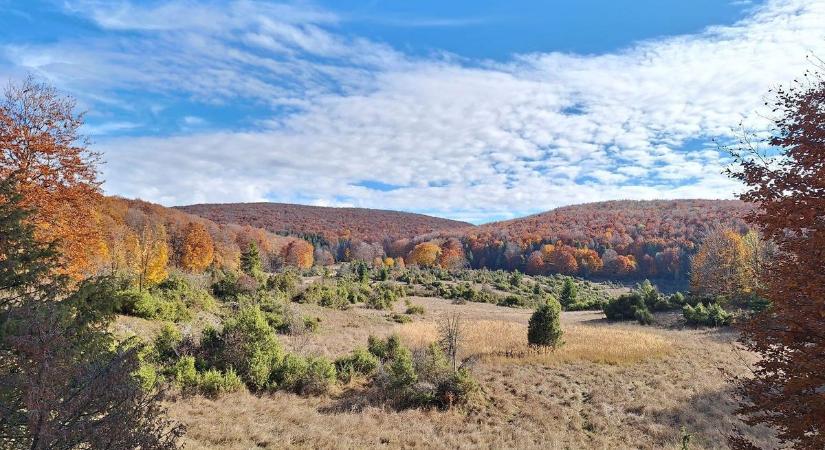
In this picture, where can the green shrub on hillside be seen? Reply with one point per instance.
(148, 306)
(568, 293)
(401, 370)
(286, 282)
(177, 289)
(384, 349)
(301, 375)
(183, 373)
(415, 309)
(384, 296)
(166, 343)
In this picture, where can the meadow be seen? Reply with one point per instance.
(610, 385)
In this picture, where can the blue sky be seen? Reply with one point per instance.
(464, 109)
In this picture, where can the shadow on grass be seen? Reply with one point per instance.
(709, 418)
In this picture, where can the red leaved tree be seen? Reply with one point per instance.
(786, 179)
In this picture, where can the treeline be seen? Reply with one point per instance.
(616, 240)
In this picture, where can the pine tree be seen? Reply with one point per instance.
(544, 328)
(26, 267)
(568, 293)
(251, 261)
(64, 380)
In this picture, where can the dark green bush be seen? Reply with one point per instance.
(312, 375)
(677, 300)
(544, 327)
(144, 304)
(290, 372)
(400, 318)
(624, 307)
(177, 290)
(230, 286)
(644, 317)
(166, 343)
(415, 309)
(358, 363)
(249, 345)
(401, 370)
(384, 349)
(458, 388)
(285, 282)
(183, 373)
(320, 376)
(384, 296)
(568, 293)
(512, 301)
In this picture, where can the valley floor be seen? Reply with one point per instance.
(610, 386)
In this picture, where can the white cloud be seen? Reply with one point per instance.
(465, 139)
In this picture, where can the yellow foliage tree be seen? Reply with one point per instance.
(151, 252)
(424, 254)
(198, 250)
(721, 267)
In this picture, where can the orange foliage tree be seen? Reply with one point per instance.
(424, 254)
(588, 261)
(562, 259)
(787, 181)
(198, 250)
(299, 253)
(55, 171)
(535, 263)
(452, 255)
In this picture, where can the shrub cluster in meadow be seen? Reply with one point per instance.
(174, 299)
(638, 304)
(246, 352)
(420, 378)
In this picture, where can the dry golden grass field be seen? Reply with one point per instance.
(609, 387)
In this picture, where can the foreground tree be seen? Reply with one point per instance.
(55, 171)
(64, 381)
(787, 182)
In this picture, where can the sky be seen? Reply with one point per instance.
(471, 110)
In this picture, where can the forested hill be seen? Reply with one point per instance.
(625, 219)
(332, 224)
(615, 238)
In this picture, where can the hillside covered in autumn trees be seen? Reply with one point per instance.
(616, 239)
(331, 224)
